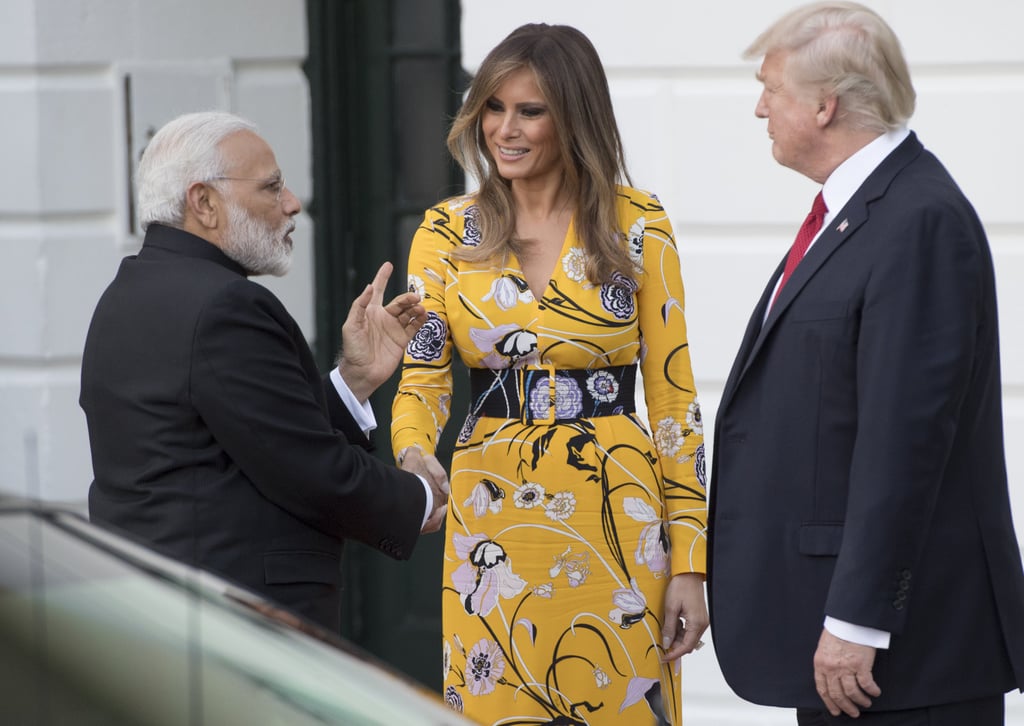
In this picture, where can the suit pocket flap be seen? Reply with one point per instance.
(283, 568)
(820, 539)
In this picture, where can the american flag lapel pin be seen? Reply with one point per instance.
(843, 225)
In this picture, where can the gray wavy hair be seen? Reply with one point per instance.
(183, 151)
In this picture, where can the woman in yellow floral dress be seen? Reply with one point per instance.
(575, 535)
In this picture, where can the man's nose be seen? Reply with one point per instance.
(290, 202)
(761, 109)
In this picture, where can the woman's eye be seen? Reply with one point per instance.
(533, 111)
(493, 105)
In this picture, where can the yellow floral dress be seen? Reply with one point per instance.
(563, 527)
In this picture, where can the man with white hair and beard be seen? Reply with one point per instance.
(214, 437)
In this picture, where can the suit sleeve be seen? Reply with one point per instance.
(922, 307)
(254, 383)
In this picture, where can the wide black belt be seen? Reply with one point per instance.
(545, 394)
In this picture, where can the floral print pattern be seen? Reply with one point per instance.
(568, 398)
(484, 666)
(529, 495)
(564, 528)
(575, 567)
(486, 575)
(574, 263)
(485, 497)
(603, 386)
(471, 227)
(617, 296)
(507, 291)
(561, 506)
(428, 343)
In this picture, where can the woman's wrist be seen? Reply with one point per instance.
(403, 453)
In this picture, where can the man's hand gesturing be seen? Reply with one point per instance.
(374, 336)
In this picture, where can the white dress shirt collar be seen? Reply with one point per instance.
(851, 174)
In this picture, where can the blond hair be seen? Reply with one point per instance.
(847, 50)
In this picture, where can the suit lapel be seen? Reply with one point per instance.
(842, 228)
(750, 335)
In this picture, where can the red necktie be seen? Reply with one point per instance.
(807, 232)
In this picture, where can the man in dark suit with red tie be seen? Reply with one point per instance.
(214, 438)
(862, 557)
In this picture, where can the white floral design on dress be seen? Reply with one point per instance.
(630, 605)
(485, 575)
(561, 506)
(508, 290)
(575, 565)
(486, 495)
(529, 495)
(545, 590)
(506, 346)
(652, 548)
(417, 286)
(668, 436)
(574, 263)
(636, 244)
(603, 386)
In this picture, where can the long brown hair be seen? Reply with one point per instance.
(570, 76)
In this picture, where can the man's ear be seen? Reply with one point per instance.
(827, 109)
(203, 204)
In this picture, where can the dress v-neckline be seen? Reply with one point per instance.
(569, 234)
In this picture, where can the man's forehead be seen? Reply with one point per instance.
(245, 148)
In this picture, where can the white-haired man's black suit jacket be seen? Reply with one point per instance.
(215, 439)
(858, 465)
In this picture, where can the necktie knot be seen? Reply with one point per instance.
(818, 211)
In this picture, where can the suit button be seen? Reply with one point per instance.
(905, 574)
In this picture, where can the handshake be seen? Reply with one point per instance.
(413, 459)
(374, 337)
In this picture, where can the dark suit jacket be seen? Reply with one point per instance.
(858, 466)
(215, 440)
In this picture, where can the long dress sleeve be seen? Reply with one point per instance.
(422, 406)
(669, 391)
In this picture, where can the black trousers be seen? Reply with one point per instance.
(981, 712)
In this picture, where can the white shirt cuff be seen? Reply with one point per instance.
(361, 412)
(859, 634)
(430, 501)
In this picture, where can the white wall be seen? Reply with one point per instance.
(64, 221)
(685, 101)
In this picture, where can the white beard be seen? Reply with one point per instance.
(254, 245)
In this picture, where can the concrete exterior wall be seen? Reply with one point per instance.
(64, 199)
(685, 99)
